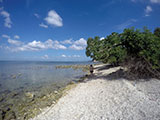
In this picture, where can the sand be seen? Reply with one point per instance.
(107, 96)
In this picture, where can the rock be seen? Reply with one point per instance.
(1, 99)
(19, 74)
(14, 94)
(56, 92)
(2, 116)
(30, 95)
(71, 82)
(8, 107)
(10, 115)
(13, 76)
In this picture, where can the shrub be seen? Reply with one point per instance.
(137, 50)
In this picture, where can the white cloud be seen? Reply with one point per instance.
(16, 37)
(76, 56)
(43, 25)
(138, 1)
(7, 20)
(59, 46)
(146, 1)
(79, 44)
(69, 56)
(67, 41)
(45, 57)
(5, 36)
(14, 42)
(76, 47)
(35, 45)
(102, 38)
(155, 1)
(148, 10)
(54, 19)
(1, 0)
(126, 24)
(36, 15)
(63, 56)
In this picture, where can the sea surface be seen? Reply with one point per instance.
(20, 74)
(27, 87)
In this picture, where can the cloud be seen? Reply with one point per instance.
(36, 15)
(5, 36)
(155, 1)
(126, 24)
(76, 47)
(147, 1)
(148, 10)
(11, 41)
(57, 45)
(79, 44)
(1, 1)
(35, 45)
(69, 56)
(16, 45)
(63, 56)
(14, 42)
(102, 38)
(16, 37)
(138, 1)
(54, 19)
(43, 25)
(7, 20)
(45, 57)
(76, 56)
(67, 41)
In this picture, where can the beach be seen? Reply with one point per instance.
(107, 95)
(26, 87)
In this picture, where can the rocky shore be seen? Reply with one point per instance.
(26, 102)
(107, 95)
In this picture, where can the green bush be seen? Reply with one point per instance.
(139, 50)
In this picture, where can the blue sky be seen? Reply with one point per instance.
(57, 30)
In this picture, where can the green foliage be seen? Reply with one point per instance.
(117, 48)
(107, 50)
(157, 32)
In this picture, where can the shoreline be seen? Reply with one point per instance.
(107, 95)
(27, 102)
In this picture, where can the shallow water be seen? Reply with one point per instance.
(27, 87)
(14, 75)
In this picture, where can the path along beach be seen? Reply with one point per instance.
(107, 96)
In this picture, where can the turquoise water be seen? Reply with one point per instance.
(15, 75)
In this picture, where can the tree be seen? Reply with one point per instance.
(157, 32)
(135, 49)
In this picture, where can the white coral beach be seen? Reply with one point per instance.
(107, 97)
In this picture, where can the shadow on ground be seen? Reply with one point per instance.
(117, 75)
(104, 67)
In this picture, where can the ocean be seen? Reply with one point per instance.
(26, 87)
(19, 74)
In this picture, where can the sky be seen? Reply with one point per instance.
(57, 30)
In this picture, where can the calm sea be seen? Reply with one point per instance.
(20, 74)
(27, 87)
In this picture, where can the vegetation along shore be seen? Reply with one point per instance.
(125, 87)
